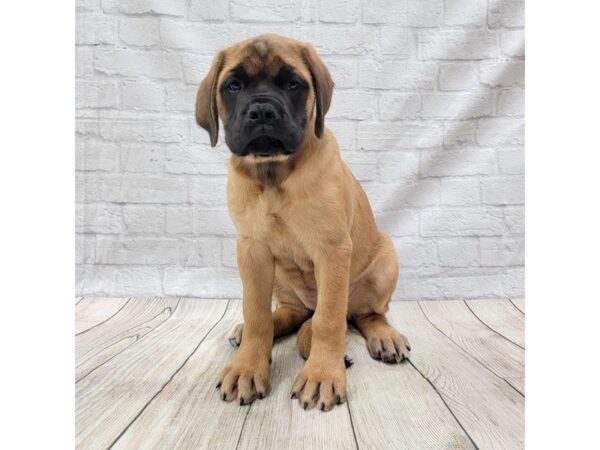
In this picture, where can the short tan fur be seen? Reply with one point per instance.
(304, 223)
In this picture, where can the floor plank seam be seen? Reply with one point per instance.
(446, 404)
(352, 424)
(516, 307)
(170, 378)
(243, 425)
(105, 320)
(104, 362)
(466, 352)
(136, 341)
(515, 388)
(495, 331)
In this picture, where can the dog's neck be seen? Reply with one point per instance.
(271, 173)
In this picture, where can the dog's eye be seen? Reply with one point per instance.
(291, 85)
(234, 86)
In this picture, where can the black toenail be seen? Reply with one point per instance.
(293, 395)
(241, 401)
(408, 348)
(261, 395)
(224, 396)
(218, 385)
(305, 405)
(338, 399)
(322, 406)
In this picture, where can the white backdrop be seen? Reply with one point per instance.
(428, 110)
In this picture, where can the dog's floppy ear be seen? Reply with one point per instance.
(322, 83)
(207, 115)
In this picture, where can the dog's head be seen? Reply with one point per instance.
(268, 91)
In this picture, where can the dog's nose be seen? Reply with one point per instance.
(262, 113)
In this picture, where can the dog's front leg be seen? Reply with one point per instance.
(322, 381)
(247, 376)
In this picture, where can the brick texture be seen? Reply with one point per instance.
(428, 111)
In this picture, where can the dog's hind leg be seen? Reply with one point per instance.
(304, 340)
(384, 342)
(287, 317)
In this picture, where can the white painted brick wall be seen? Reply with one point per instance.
(428, 111)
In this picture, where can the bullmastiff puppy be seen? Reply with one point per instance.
(306, 232)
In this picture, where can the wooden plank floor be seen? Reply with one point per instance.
(146, 369)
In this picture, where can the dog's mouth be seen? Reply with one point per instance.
(266, 146)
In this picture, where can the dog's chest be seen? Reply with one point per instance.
(285, 245)
(273, 219)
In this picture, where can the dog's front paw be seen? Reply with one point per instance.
(244, 379)
(321, 384)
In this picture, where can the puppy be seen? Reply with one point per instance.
(306, 232)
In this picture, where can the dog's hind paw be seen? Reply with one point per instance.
(235, 337)
(389, 346)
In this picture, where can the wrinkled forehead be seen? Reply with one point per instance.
(266, 56)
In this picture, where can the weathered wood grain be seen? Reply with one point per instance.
(188, 413)
(502, 317)
(500, 356)
(91, 311)
(490, 411)
(136, 319)
(393, 406)
(158, 360)
(112, 396)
